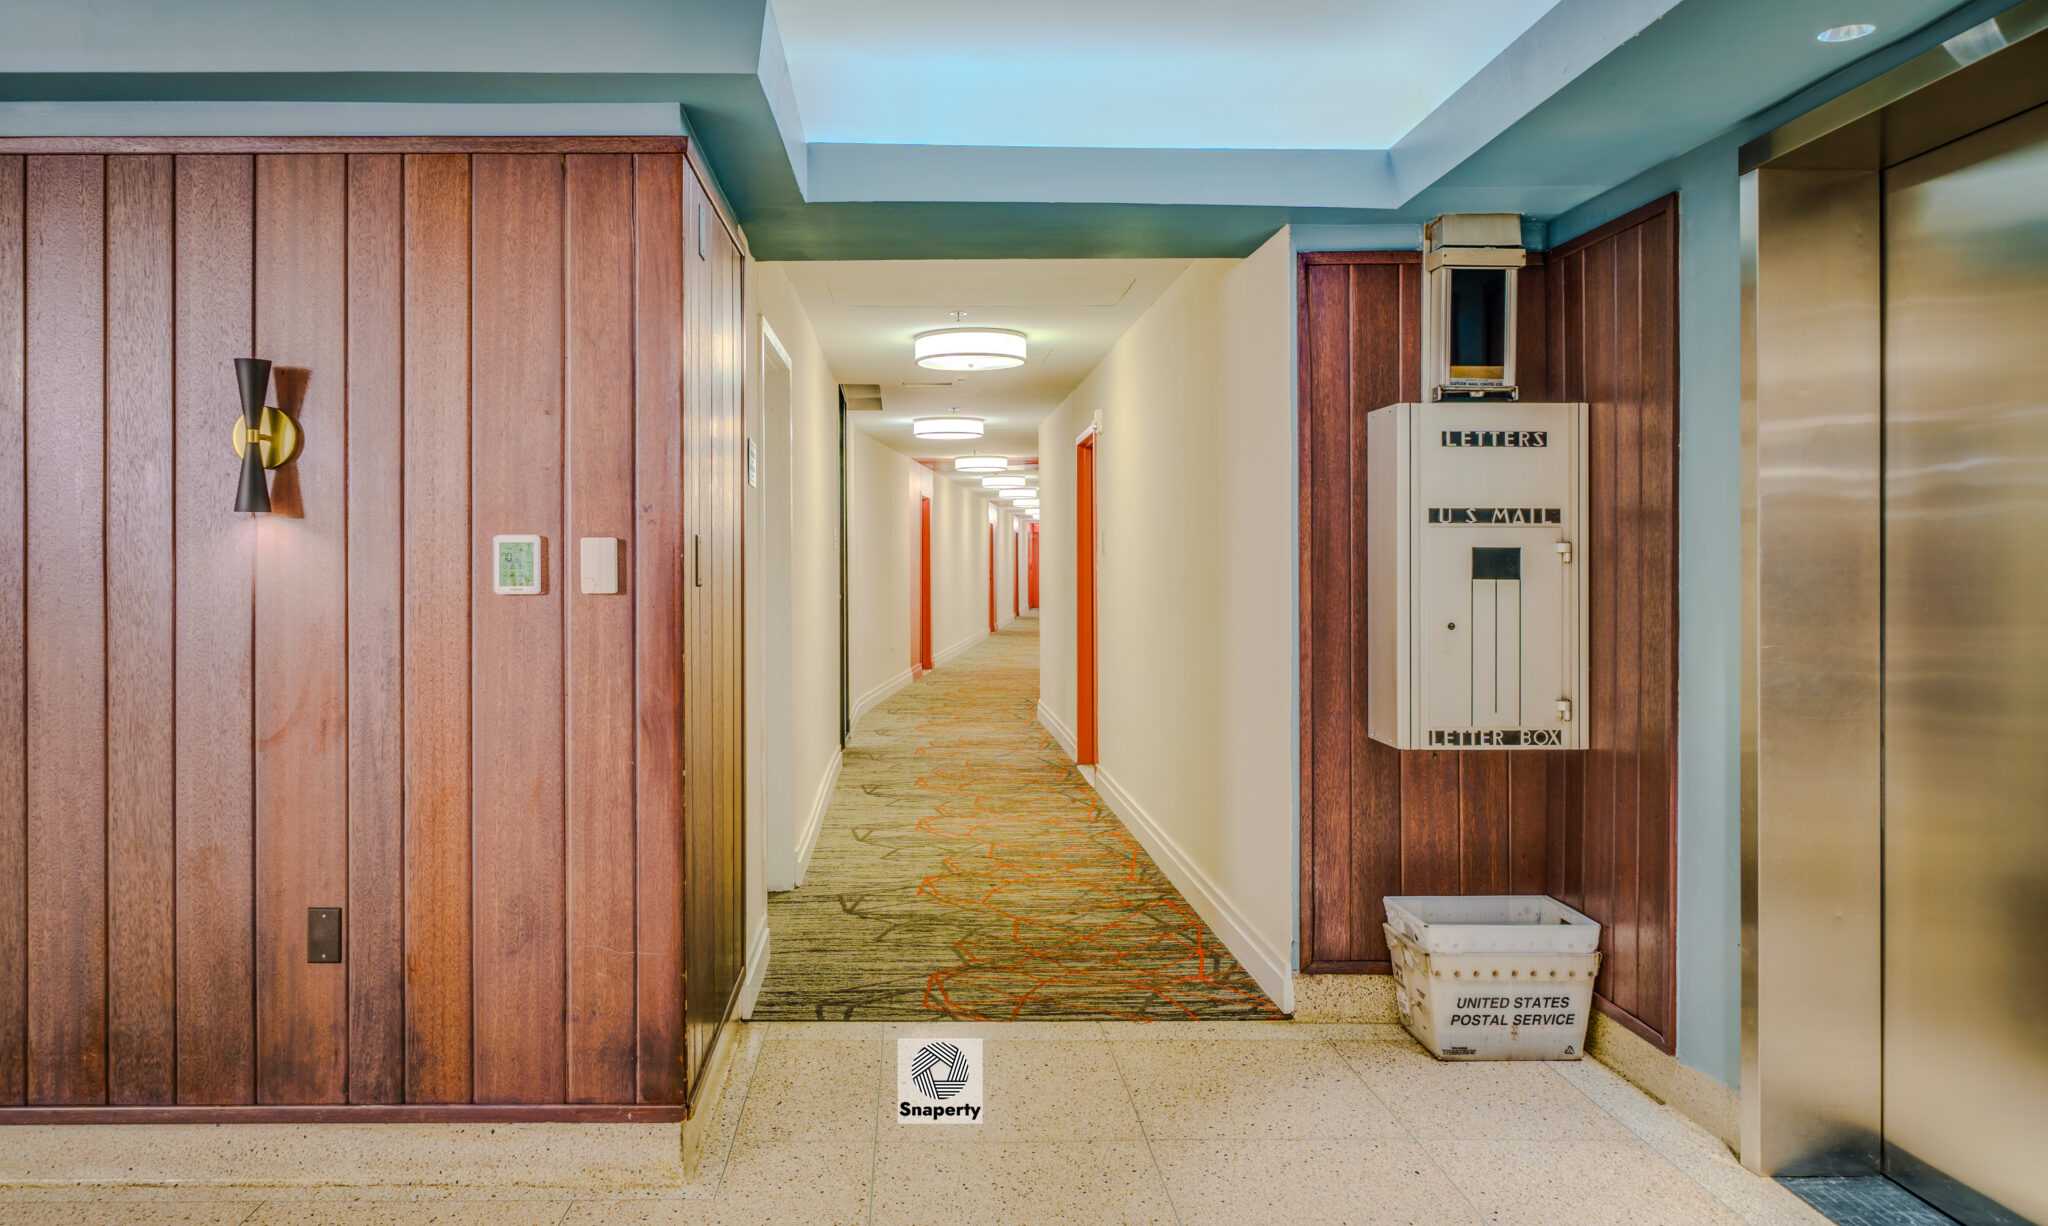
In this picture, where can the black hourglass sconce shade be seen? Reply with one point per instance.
(264, 437)
(253, 376)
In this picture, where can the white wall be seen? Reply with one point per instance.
(959, 569)
(811, 489)
(881, 556)
(1196, 677)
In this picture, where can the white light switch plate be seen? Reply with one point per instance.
(599, 570)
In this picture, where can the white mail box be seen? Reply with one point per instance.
(1476, 575)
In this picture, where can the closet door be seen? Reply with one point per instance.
(714, 848)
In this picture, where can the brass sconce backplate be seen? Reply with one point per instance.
(278, 436)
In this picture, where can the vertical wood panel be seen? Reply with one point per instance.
(516, 445)
(1483, 823)
(1328, 722)
(216, 595)
(376, 564)
(697, 749)
(437, 628)
(67, 805)
(657, 585)
(141, 594)
(302, 630)
(1625, 665)
(732, 861)
(1656, 964)
(13, 640)
(600, 631)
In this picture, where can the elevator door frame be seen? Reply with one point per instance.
(1812, 541)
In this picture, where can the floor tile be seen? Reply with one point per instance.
(811, 1090)
(1308, 1183)
(124, 1213)
(1249, 1088)
(1032, 1090)
(1104, 1184)
(1290, 1032)
(762, 1183)
(1497, 1100)
(1576, 1183)
(411, 1213)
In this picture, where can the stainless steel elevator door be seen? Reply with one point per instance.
(1966, 673)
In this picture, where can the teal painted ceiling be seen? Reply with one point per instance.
(1588, 94)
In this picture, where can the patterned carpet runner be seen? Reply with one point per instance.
(966, 870)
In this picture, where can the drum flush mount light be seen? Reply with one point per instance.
(1001, 483)
(978, 463)
(1018, 492)
(951, 426)
(969, 349)
(264, 437)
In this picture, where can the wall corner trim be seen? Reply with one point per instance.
(814, 824)
(1272, 968)
(757, 970)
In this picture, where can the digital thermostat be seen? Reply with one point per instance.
(517, 565)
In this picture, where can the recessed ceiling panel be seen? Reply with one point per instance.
(1169, 74)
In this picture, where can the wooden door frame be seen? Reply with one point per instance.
(1086, 607)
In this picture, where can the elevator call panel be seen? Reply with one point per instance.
(1476, 575)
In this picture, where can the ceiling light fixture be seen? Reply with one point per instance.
(978, 463)
(1026, 503)
(969, 349)
(951, 426)
(1847, 33)
(1001, 483)
(1019, 492)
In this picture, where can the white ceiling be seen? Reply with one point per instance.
(866, 312)
(1170, 74)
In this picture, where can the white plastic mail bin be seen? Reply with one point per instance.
(1495, 976)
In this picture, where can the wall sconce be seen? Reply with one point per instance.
(275, 436)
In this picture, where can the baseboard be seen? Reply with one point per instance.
(1060, 732)
(476, 1158)
(940, 658)
(757, 971)
(1272, 969)
(814, 825)
(1696, 1095)
(875, 697)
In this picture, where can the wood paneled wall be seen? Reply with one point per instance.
(1597, 322)
(227, 719)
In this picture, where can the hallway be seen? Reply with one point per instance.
(967, 870)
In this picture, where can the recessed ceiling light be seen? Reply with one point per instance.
(951, 426)
(969, 349)
(1847, 33)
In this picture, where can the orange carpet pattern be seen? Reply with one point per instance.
(966, 870)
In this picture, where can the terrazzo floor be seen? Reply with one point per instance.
(1172, 1122)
